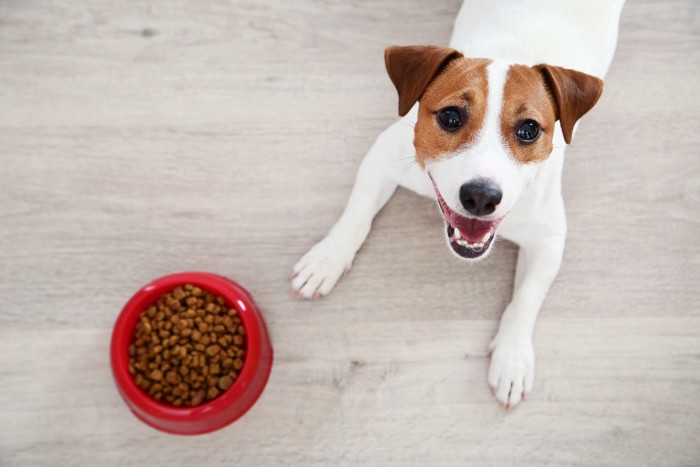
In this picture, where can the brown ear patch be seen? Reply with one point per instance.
(412, 68)
(525, 97)
(575, 93)
(462, 84)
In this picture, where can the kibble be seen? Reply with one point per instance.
(225, 382)
(189, 347)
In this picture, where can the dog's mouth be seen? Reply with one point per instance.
(469, 237)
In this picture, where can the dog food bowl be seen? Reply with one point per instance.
(232, 403)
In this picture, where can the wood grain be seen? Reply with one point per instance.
(139, 139)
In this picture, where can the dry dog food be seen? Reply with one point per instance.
(189, 347)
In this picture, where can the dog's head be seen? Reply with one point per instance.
(483, 129)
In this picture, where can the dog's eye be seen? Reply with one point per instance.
(528, 131)
(450, 118)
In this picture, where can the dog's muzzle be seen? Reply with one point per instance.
(469, 237)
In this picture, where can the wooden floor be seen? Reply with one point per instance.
(143, 138)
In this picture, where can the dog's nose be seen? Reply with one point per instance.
(480, 197)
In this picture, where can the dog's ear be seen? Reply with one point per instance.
(412, 68)
(575, 93)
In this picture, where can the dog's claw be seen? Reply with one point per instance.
(491, 347)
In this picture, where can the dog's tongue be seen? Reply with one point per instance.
(472, 230)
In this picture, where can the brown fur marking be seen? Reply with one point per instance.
(463, 84)
(574, 93)
(412, 68)
(526, 98)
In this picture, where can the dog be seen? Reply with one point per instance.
(488, 120)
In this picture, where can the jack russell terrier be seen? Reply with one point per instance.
(487, 120)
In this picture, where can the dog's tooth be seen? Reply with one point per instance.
(458, 234)
(473, 246)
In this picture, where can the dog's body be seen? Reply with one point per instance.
(489, 140)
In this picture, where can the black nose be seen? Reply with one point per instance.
(480, 197)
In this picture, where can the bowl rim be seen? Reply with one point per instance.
(143, 405)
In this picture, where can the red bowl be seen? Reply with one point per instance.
(233, 402)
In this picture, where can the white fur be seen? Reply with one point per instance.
(578, 34)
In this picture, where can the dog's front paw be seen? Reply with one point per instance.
(317, 272)
(512, 369)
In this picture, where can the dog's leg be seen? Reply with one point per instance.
(318, 271)
(512, 370)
